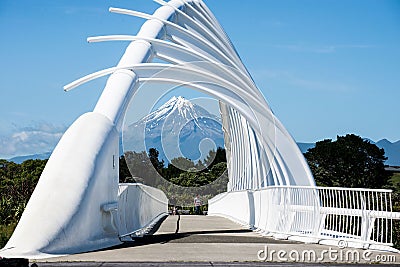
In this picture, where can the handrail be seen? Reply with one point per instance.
(317, 187)
(323, 214)
(329, 187)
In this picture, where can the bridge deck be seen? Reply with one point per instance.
(190, 238)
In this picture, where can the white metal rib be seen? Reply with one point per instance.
(223, 53)
(155, 68)
(237, 75)
(209, 30)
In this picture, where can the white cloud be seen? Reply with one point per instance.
(38, 138)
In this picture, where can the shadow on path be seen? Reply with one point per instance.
(206, 236)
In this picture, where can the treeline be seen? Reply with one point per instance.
(181, 179)
(349, 161)
(17, 182)
(147, 168)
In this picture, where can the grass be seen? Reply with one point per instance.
(395, 181)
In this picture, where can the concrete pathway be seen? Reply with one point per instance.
(210, 239)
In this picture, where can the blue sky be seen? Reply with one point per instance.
(327, 68)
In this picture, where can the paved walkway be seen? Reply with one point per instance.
(203, 240)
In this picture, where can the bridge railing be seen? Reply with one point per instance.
(363, 214)
(140, 207)
(357, 217)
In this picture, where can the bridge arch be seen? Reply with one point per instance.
(200, 55)
(261, 153)
(229, 83)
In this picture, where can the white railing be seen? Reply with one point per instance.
(363, 214)
(360, 217)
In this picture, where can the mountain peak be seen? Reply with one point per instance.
(180, 100)
(176, 128)
(178, 104)
(384, 141)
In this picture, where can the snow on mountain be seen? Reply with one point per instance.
(177, 128)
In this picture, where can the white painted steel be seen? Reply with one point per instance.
(77, 192)
(64, 214)
(361, 217)
(139, 207)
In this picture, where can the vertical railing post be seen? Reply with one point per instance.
(315, 201)
(365, 221)
(391, 218)
(324, 202)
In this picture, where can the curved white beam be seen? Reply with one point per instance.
(224, 53)
(160, 69)
(178, 54)
(201, 28)
(212, 39)
(215, 28)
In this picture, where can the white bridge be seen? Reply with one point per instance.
(79, 206)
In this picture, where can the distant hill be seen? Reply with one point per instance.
(392, 150)
(21, 159)
(193, 124)
(305, 146)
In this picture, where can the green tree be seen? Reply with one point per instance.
(186, 179)
(141, 168)
(17, 182)
(215, 157)
(177, 167)
(124, 173)
(183, 163)
(350, 161)
(217, 171)
(153, 156)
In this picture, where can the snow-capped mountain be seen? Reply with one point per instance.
(177, 128)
